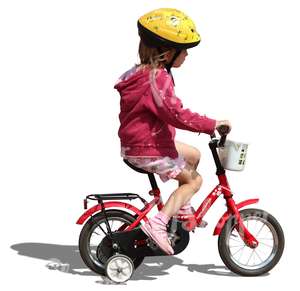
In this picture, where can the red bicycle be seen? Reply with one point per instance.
(111, 243)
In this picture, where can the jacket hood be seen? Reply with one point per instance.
(131, 86)
(132, 80)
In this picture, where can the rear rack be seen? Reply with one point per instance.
(112, 196)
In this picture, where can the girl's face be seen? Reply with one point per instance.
(179, 60)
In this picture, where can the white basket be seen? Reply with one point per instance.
(233, 155)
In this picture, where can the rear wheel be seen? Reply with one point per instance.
(240, 258)
(92, 242)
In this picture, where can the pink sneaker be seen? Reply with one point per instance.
(157, 231)
(185, 212)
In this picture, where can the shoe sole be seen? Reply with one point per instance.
(148, 233)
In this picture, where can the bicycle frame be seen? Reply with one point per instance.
(222, 188)
(232, 209)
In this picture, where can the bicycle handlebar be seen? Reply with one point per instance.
(223, 131)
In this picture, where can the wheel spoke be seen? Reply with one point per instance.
(235, 240)
(255, 224)
(237, 246)
(265, 238)
(260, 230)
(114, 265)
(265, 244)
(112, 223)
(238, 250)
(102, 229)
(243, 248)
(250, 257)
(258, 256)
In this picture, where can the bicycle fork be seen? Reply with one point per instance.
(244, 233)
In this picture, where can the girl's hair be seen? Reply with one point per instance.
(155, 57)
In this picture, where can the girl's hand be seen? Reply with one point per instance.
(223, 122)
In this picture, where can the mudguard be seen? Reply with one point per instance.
(107, 205)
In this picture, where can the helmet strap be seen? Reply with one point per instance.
(171, 63)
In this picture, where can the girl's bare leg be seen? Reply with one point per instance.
(189, 179)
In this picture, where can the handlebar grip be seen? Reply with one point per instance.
(223, 131)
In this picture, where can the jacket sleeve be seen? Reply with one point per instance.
(166, 106)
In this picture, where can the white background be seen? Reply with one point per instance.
(59, 120)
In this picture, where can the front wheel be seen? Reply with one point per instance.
(240, 258)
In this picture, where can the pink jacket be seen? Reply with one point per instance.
(150, 111)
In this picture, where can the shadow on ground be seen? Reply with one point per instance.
(66, 258)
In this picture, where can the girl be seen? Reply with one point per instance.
(150, 112)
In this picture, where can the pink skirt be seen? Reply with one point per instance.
(166, 167)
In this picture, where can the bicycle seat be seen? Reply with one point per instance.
(139, 170)
(135, 168)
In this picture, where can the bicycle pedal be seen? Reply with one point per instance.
(202, 224)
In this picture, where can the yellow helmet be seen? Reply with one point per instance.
(168, 27)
